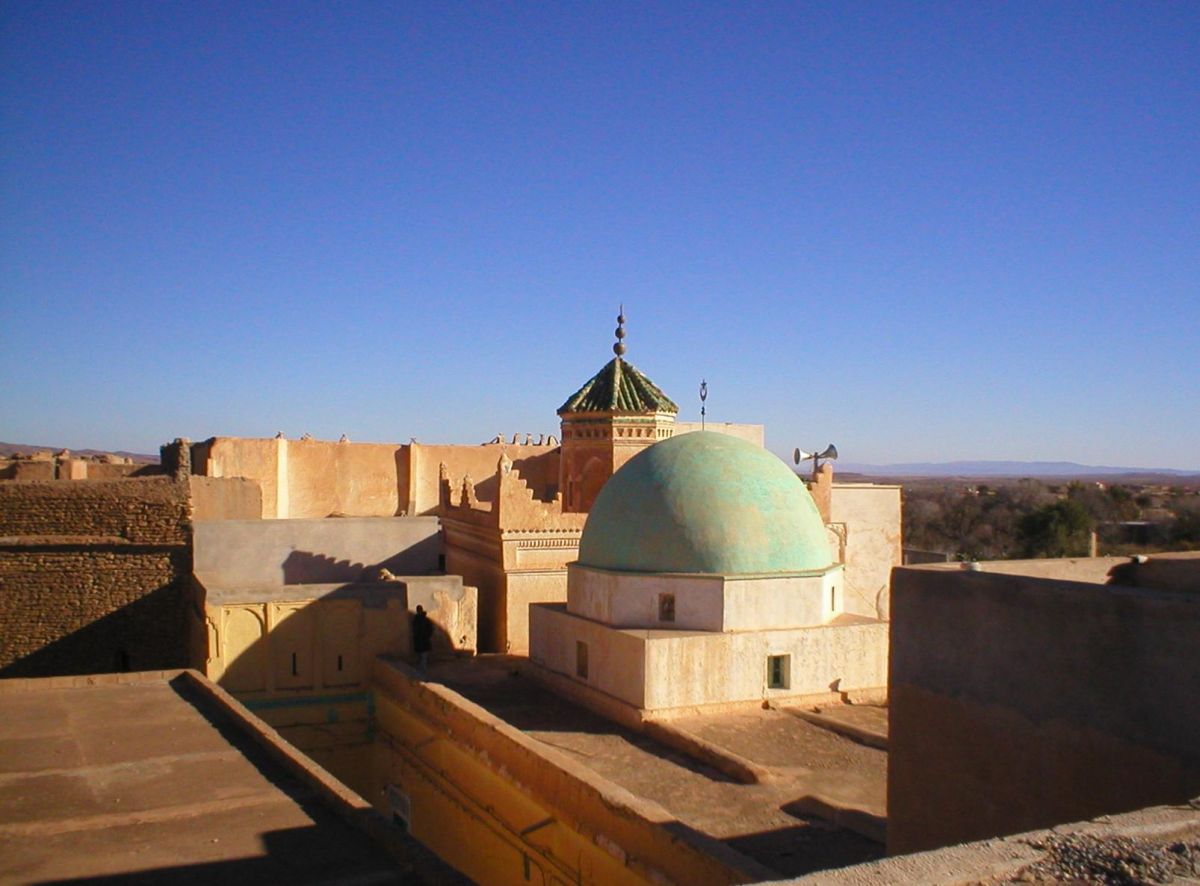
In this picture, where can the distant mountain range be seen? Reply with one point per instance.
(27, 449)
(1002, 469)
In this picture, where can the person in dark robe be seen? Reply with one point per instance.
(422, 638)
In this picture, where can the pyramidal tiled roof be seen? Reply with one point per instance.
(618, 387)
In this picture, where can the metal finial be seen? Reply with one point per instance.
(619, 347)
(703, 397)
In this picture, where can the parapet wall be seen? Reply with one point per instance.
(505, 808)
(94, 576)
(865, 520)
(267, 553)
(1018, 702)
(152, 510)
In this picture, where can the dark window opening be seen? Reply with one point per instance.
(581, 659)
(778, 668)
(666, 607)
(295, 672)
(339, 662)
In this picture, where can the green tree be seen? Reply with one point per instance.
(1061, 529)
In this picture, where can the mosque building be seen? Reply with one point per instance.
(680, 580)
(705, 576)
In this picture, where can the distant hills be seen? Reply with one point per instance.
(27, 449)
(1004, 469)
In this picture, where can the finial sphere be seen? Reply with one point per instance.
(619, 347)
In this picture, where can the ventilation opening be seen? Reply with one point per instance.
(339, 662)
(295, 670)
(779, 669)
(581, 659)
(441, 562)
(833, 598)
(400, 806)
(666, 607)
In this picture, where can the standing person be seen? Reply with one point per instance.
(422, 638)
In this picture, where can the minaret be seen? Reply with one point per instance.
(617, 414)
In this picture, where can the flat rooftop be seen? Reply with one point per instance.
(150, 780)
(813, 777)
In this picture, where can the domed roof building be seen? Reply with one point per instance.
(706, 575)
(705, 503)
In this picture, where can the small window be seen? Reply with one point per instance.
(400, 805)
(779, 671)
(581, 659)
(666, 607)
(833, 598)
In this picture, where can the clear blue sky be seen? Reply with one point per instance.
(923, 231)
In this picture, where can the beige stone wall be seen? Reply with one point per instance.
(866, 537)
(94, 576)
(225, 498)
(312, 478)
(522, 590)
(702, 669)
(1018, 702)
(705, 602)
(253, 459)
(343, 479)
(267, 553)
(537, 464)
(661, 670)
(293, 641)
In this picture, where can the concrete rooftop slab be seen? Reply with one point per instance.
(784, 823)
(149, 781)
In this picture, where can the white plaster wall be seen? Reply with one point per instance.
(630, 599)
(705, 602)
(871, 515)
(699, 669)
(616, 659)
(764, 603)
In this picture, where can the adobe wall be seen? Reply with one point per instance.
(94, 576)
(1017, 702)
(319, 478)
(225, 498)
(304, 638)
(538, 465)
(352, 479)
(248, 553)
(870, 541)
(253, 459)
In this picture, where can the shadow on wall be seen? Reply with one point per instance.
(309, 567)
(150, 633)
(316, 647)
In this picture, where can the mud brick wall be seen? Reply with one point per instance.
(95, 576)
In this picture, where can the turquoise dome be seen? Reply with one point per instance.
(707, 503)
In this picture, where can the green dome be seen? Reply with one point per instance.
(704, 502)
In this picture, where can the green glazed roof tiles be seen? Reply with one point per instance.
(618, 387)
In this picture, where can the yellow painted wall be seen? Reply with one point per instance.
(502, 808)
